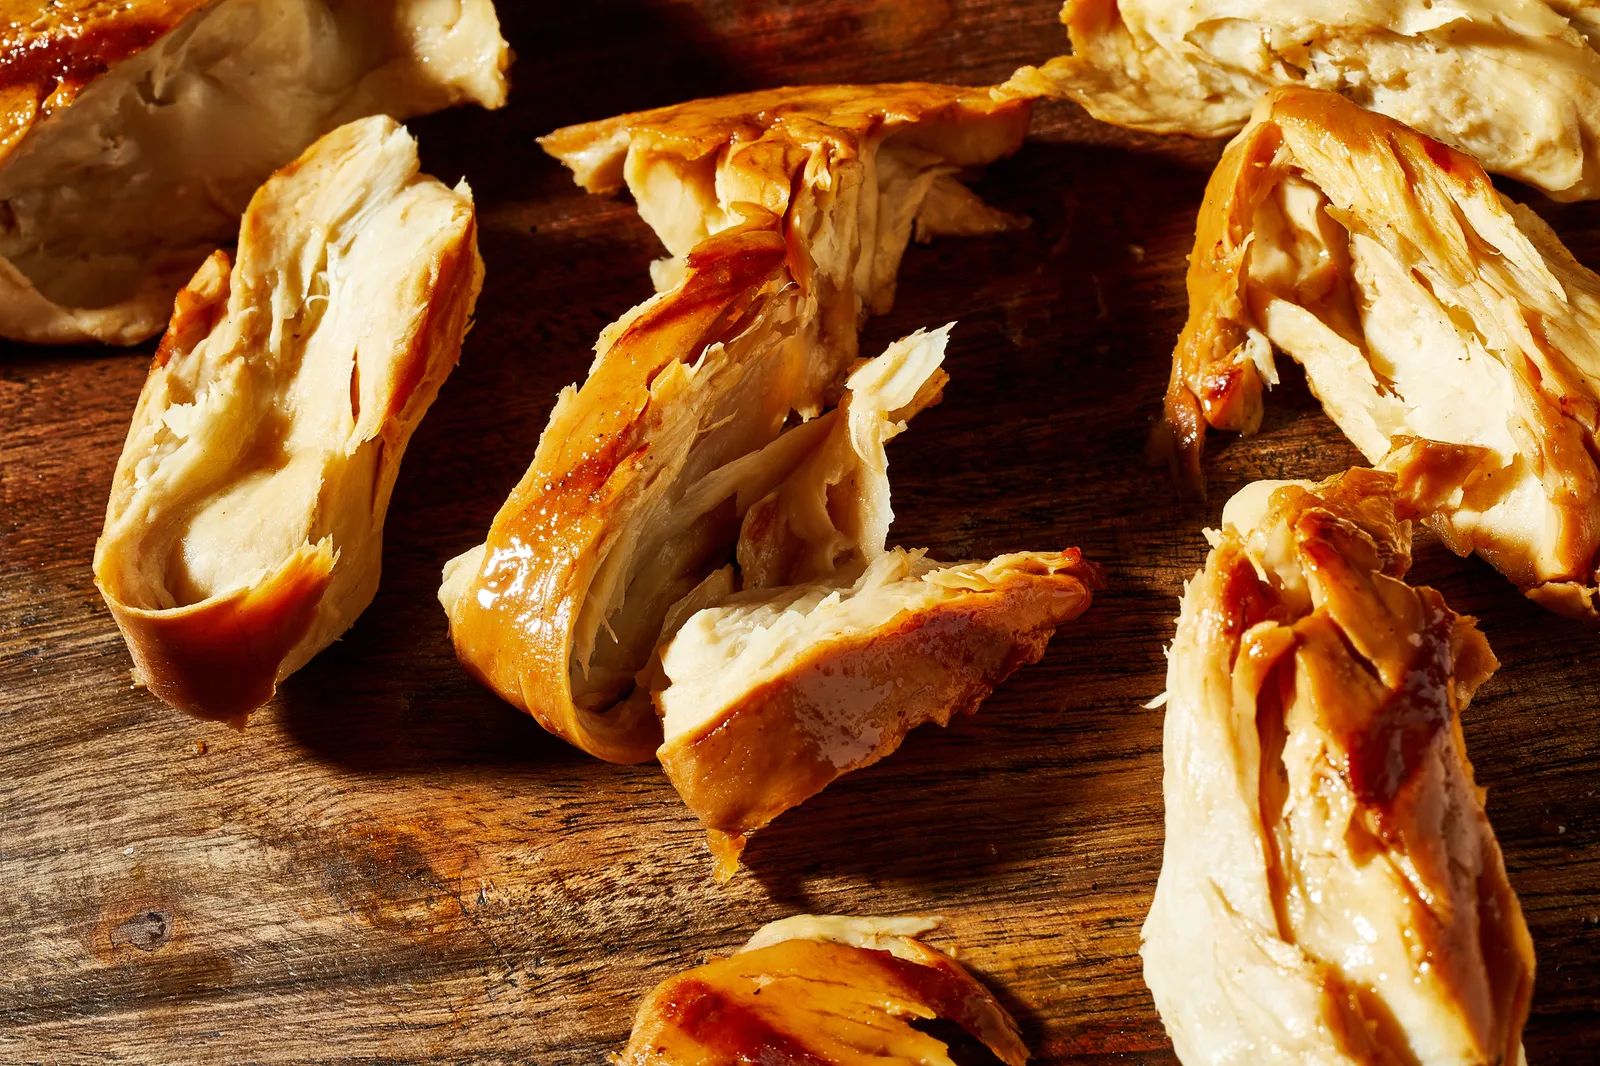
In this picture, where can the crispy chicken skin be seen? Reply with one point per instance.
(823, 991)
(1331, 890)
(1444, 328)
(245, 527)
(1516, 83)
(637, 490)
(837, 647)
(133, 134)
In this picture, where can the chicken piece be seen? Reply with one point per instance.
(1514, 82)
(855, 171)
(133, 134)
(1444, 328)
(1331, 890)
(617, 519)
(245, 527)
(836, 648)
(825, 991)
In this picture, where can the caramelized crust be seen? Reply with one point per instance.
(244, 530)
(1331, 890)
(1444, 328)
(847, 1000)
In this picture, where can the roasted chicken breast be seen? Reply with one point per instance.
(824, 991)
(1331, 890)
(245, 527)
(1516, 83)
(836, 647)
(132, 135)
(777, 207)
(1444, 328)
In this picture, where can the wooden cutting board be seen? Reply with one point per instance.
(390, 865)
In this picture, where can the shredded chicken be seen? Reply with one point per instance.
(1331, 890)
(617, 519)
(1515, 83)
(1444, 328)
(134, 134)
(827, 991)
(837, 647)
(245, 527)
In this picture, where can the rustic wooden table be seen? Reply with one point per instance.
(389, 865)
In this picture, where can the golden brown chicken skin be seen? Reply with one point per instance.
(1444, 328)
(1331, 890)
(820, 991)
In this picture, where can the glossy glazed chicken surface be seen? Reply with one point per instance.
(820, 991)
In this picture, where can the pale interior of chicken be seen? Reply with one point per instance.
(244, 450)
(151, 166)
(855, 220)
(1291, 919)
(1518, 90)
(872, 933)
(831, 512)
(1391, 351)
(730, 402)
(724, 652)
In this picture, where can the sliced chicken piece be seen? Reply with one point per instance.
(245, 527)
(855, 171)
(825, 991)
(1515, 83)
(132, 135)
(775, 693)
(618, 518)
(1331, 890)
(837, 648)
(1444, 328)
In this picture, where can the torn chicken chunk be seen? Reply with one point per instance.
(1331, 890)
(245, 527)
(618, 518)
(836, 647)
(822, 990)
(1445, 329)
(1515, 83)
(132, 135)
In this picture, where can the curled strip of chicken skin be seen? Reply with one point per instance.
(133, 133)
(1331, 890)
(1515, 83)
(822, 990)
(245, 527)
(1445, 329)
(786, 212)
(835, 647)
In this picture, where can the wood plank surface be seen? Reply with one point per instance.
(389, 865)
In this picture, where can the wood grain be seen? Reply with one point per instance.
(391, 866)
